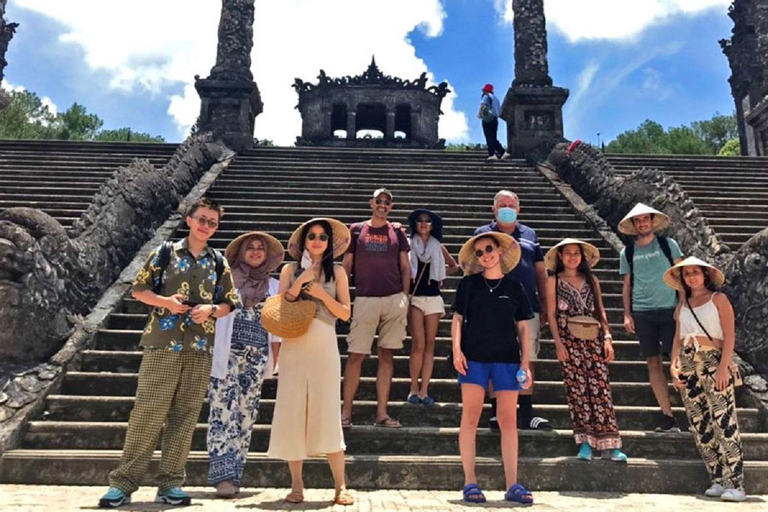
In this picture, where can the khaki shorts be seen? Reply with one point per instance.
(534, 327)
(429, 305)
(388, 315)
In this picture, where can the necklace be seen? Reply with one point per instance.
(491, 289)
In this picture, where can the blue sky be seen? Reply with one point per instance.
(133, 65)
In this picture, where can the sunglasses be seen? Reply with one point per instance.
(385, 202)
(424, 221)
(210, 222)
(488, 249)
(323, 237)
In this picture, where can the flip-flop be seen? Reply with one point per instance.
(519, 494)
(473, 494)
(387, 422)
(344, 497)
(295, 497)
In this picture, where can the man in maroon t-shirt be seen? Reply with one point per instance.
(378, 259)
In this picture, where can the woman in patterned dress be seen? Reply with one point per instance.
(242, 359)
(584, 362)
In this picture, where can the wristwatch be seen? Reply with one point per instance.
(214, 308)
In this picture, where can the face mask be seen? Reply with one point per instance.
(506, 215)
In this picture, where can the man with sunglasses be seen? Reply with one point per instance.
(187, 296)
(377, 258)
(532, 274)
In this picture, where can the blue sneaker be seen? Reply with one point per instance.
(175, 496)
(114, 498)
(617, 455)
(585, 453)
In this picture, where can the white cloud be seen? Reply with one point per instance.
(10, 87)
(153, 46)
(611, 19)
(48, 102)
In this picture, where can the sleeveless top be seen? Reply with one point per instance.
(708, 316)
(322, 312)
(572, 301)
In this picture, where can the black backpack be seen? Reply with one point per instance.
(630, 255)
(164, 259)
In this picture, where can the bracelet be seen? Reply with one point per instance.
(608, 337)
(214, 308)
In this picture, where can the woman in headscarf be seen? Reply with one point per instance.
(242, 359)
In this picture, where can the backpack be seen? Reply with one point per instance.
(164, 259)
(629, 253)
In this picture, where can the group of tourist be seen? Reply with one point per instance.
(501, 303)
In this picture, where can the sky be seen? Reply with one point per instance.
(133, 63)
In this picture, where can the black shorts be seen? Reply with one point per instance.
(655, 330)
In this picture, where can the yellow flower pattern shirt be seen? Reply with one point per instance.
(195, 278)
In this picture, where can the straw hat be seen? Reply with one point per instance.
(341, 237)
(510, 253)
(672, 277)
(437, 222)
(591, 253)
(275, 250)
(660, 220)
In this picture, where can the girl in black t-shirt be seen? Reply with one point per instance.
(490, 344)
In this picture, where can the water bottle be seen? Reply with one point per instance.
(522, 378)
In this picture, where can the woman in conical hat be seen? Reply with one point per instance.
(583, 355)
(702, 370)
(243, 357)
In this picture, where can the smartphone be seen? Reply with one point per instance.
(190, 303)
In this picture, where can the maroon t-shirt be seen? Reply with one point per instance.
(377, 259)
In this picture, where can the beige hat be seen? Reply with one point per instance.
(341, 237)
(510, 253)
(591, 253)
(673, 276)
(660, 220)
(382, 190)
(275, 250)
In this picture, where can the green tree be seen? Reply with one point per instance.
(730, 148)
(716, 132)
(126, 135)
(26, 117)
(647, 139)
(77, 124)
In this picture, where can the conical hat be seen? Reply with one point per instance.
(673, 276)
(275, 250)
(341, 237)
(510, 253)
(660, 220)
(591, 253)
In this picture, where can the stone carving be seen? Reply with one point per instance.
(531, 65)
(6, 34)
(48, 277)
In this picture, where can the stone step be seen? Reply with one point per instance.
(91, 467)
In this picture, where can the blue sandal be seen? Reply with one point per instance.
(519, 494)
(413, 398)
(473, 494)
(427, 400)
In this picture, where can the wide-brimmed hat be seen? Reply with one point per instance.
(660, 220)
(673, 276)
(275, 250)
(591, 253)
(437, 222)
(341, 237)
(510, 253)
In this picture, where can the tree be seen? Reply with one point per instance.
(77, 124)
(126, 135)
(26, 117)
(730, 148)
(717, 131)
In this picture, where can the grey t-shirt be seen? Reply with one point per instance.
(648, 290)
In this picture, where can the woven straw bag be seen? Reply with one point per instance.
(287, 319)
(583, 327)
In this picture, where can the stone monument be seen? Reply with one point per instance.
(6, 34)
(230, 99)
(335, 110)
(533, 107)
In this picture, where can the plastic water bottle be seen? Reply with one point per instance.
(522, 378)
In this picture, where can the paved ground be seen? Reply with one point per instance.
(21, 498)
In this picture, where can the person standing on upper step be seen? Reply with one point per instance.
(489, 113)
(428, 258)
(584, 346)
(649, 305)
(188, 285)
(243, 357)
(377, 259)
(533, 276)
(702, 369)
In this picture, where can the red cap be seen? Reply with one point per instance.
(488, 88)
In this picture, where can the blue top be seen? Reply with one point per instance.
(525, 271)
(493, 102)
(648, 289)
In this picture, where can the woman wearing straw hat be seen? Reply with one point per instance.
(584, 346)
(701, 369)
(428, 258)
(490, 345)
(307, 418)
(242, 359)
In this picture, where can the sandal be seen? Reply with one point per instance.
(346, 422)
(413, 398)
(295, 497)
(427, 400)
(473, 494)
(387, 422)
(344, 497)
(519, 494)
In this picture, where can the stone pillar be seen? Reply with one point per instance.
(389, 133)
(533, 107)
(351, 123)
(416, 123)
(6, 34)
(230, 99)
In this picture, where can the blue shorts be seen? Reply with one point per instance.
(503, 375)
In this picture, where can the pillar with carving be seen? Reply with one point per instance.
(230, 99)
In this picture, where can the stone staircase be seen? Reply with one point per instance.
(732, 192)
(78, 438)
(61, 177)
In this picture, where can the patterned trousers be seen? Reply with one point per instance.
(234, 406)
(171, 391)
(712, 415)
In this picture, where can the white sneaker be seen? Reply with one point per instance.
(492, 158)
(733, 495)
(506, 156)
(714, 491)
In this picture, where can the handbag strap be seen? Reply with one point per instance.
(688, 302)
(418, 280)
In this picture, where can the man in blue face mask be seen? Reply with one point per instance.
(533, 276)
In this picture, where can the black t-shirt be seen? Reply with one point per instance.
(489, 331)
(427, 287)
